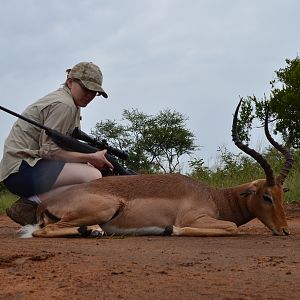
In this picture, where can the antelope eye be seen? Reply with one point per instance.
(268, 198)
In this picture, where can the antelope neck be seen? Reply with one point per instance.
(233, 207)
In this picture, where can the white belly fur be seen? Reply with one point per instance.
(150, 230)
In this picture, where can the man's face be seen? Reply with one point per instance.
(81, 95)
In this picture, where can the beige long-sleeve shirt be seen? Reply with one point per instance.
(25, 141)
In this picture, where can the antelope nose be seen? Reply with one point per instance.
(283, 231)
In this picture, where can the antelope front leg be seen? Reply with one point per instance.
(206, 226)
(61, 229)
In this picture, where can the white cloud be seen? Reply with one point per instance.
(194, 56)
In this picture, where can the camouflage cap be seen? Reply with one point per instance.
(90, 75)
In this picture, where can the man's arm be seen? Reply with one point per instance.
(97, 159)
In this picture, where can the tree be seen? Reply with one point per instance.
(154, 143)
(285, 102)
(284, 105)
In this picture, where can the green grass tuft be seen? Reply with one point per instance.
(6, 199)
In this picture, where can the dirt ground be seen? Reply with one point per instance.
(252, 265)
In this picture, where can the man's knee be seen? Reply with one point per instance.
(88, 173)
(93, 174)
(75, 173)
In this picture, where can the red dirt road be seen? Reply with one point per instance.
(252, 265)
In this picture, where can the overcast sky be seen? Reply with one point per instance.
(194, 56)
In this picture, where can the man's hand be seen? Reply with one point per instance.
(96, 159)
(99, 161)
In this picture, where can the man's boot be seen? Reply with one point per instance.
(23, 212)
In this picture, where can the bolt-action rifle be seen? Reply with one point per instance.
(72, 143)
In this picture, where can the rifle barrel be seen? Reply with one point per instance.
(23, 118)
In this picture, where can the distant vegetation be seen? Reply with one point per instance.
(232, 169)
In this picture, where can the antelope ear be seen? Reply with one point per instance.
(248, 192)
(285, 189)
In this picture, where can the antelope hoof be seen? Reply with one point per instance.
(97, 233)
(286, 231)
(87, 231)
(168, 230)
(84, 231)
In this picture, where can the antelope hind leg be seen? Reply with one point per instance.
(63, 230)
(206, 226)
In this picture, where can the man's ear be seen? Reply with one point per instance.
(69, 82)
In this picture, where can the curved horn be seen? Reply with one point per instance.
(287, 155)
(255, 155)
